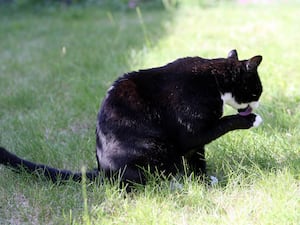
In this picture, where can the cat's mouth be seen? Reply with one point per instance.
(245, 111)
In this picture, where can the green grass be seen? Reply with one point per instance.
(55, 67)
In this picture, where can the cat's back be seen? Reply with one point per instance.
(155, 79)
(136, 89)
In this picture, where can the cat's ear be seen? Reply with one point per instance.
(253, 63)
(233, 54)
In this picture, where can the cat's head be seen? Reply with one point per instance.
(245, 86)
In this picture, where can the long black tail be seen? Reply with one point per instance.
(55, 175)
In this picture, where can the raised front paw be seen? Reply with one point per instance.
(252, 119)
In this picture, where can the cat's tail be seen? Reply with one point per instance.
(53, 174)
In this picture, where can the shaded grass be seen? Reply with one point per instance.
(55, 68)
(41, 81)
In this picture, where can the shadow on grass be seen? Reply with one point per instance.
(73, 42)
(87, 46)
(56, 67)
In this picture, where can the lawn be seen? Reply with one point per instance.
(56, 64)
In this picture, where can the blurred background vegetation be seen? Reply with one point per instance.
(112, 4)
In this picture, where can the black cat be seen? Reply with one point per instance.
(153, 118)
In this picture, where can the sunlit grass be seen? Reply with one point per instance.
(56, 67)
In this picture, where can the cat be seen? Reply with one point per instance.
(153, 118)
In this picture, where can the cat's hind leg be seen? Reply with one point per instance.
(197, 162)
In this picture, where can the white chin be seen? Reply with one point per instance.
(229, 100)
(254, 105)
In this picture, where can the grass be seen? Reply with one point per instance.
(56, 66)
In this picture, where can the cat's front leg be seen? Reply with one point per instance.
(235, 122)
(230, 123)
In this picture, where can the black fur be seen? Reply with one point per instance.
(53, 174)
(153, 118)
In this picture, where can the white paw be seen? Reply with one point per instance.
(213, 181)
(258, 121)
(175, 185)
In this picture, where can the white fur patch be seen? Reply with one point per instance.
(109, 90)
(229, 100)
(109, 144)
(258, 121)
(175, 185)
(254, 105)
(213, 181)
